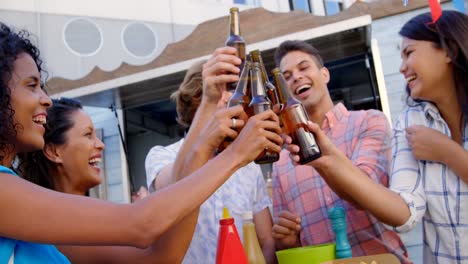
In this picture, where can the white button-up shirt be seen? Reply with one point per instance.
(244, 191)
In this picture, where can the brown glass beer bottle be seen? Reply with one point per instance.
(241, 96)
(260, 103)
(294, 119)
(235, 39)
(271, 90)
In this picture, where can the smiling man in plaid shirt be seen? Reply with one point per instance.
(301, 197)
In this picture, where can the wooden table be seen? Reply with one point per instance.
(373, 259)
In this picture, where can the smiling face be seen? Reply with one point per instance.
(30, 104)
(427, 70)
(78, 159)
(306, 80)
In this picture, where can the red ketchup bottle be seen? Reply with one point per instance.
(230, 249)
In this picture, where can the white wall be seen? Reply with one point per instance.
(190, 12)
(61, 61)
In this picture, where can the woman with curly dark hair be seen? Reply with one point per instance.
(8, 51)
(33, 217)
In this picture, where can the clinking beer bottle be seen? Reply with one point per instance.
(235, 39)
(259, 104)
(269, 87)
(295, 118)
(241, 96)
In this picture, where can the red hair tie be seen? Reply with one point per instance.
(436, 10)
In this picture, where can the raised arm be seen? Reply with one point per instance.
(207, 130)
(68, 219)
(388, 206)
(219, 70)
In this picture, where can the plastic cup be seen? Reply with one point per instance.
(315, 254)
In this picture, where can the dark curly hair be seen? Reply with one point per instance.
(12, 44)
(449, 32)
(35, 166)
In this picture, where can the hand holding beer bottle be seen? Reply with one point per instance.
(221, 69)
(295, 121)
(219, 127)
(261, 132)
(240, 97)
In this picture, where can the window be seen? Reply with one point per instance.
(248, 2)
(300, 5)
(333, 7)
(82, 36)
(139, 39)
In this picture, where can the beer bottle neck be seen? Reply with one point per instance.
(284, 93)
(241, 93)
(257, 57)
(234, 23)
(243, 79)
(257, 85)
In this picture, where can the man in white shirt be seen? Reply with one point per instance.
(244, 191)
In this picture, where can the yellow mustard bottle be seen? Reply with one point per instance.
(251, 246)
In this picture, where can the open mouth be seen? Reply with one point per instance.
(410, 78)
(95, 162)
(302, 89)
(40, 120)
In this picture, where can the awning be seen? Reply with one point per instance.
(129, 86)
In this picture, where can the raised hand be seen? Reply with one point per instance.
(220, 126)
(286, 230)
(327, 147)
(427, 143)
(220, 69)
(260, 132)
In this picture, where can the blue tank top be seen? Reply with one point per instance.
(27, 252)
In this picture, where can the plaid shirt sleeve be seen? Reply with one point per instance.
(406, 178)
(372, 150)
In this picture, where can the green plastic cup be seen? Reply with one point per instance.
(307, 255)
